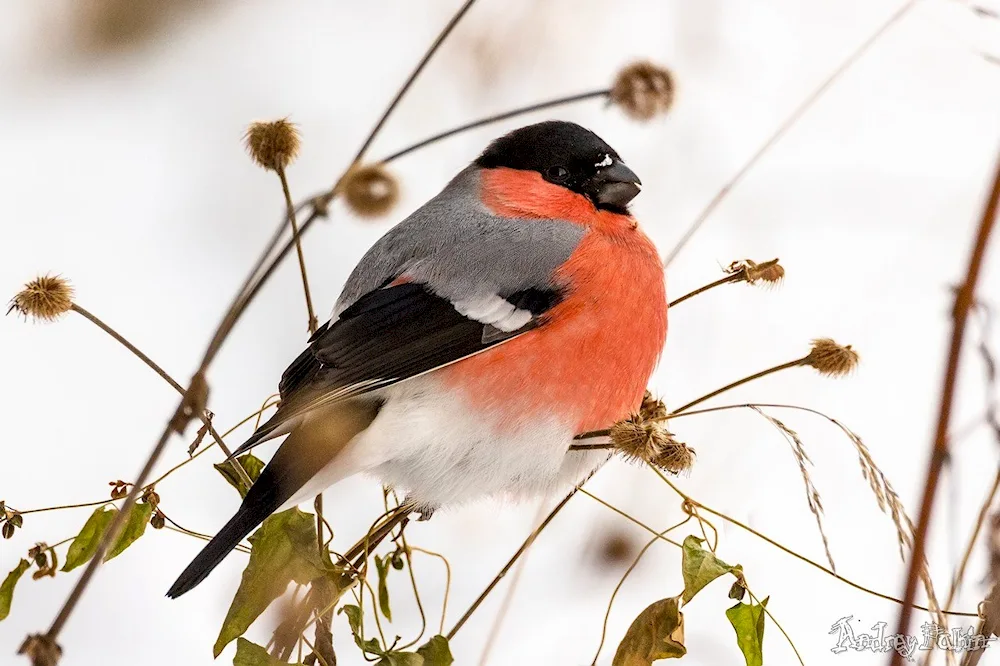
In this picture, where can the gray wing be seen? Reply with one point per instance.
(472, 280)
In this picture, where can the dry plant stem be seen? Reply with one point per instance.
(489, 120)
(735, 277)
(984, 510)
(447, 581)
(297, 239)
(783, 129)
(250, 288)
(513, 560)
(739, 382)
(964, 299)
(628, 572)
(788, 638)
(237, 466)
(791, 552)
(508, 598)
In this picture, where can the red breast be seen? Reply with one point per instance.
(591, 360)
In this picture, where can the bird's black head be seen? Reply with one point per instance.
(570, 156)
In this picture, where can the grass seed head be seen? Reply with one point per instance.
(643, 90)
(370, 190)
(45, 298)
(831, 359)
(272, 145)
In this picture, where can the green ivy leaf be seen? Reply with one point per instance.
(283, 550)
(251, 654)
(7, 587)
(253, 466)
(353, 613)
(382, 565)
(748, 621)
(85, 544)
(135, 527)
(657, 633)
(699, 567)
(401, 659)
(436, 652)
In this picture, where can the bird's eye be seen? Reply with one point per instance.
(557, 173)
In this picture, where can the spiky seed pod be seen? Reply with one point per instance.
(370, 190)
(45, 298)
(652, 408)
(643, 90)
(831, 359)
(771, 273)
(272, 145)
(650, 442)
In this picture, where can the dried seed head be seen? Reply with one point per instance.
(770, 273)
(272, 145)
(643, 90)
(157, 520)
(650, 442)
(45, 298)
(831, 359)
(652, 408)
(370, 190)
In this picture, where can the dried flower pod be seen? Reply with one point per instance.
(15, 519)
(652, 408)
(643, 90)
(370, 190)
(771, 273)
(119, 489)
(150, 496)
(650, 442)
(157, 520)
(45, 298)
(831, 359)
(272, 145)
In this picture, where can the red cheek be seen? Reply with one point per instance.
(517, 193)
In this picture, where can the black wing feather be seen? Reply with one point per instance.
(388, 335)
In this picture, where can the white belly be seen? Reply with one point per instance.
(428, 445)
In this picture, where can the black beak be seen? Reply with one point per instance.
(614, 186)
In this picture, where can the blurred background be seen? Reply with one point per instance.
(123, 170)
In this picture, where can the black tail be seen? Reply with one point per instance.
(240, 525)
(304, 453)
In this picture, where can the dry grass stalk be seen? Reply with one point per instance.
(46, 298)
(643, 90)
(812, 493)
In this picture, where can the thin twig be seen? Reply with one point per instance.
(205, 418)
(297, 239)
(735, 277)
(489, 120)
(791, 552)
(739, 382)
(784, 128)
(964, 299)
(510, 563)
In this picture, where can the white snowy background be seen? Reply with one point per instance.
(123, 170)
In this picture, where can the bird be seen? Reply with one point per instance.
(517, 308)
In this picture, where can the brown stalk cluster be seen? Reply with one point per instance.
(643, 437)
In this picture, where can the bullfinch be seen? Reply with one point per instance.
(519, 307)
